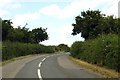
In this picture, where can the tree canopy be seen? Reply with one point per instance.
(40, 34)
(93, 23)
(6, 26)
(22, 34)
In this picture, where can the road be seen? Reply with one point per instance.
(46, 66)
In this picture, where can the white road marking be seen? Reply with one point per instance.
(40, 64)
(39, 74)
(43, 59)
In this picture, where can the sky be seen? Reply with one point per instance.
(55, 15)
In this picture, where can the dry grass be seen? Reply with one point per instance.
(106, 73)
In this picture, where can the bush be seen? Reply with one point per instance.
(76, 49)
(16, 49)
(102, 51)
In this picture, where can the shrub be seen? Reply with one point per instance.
(76, 48)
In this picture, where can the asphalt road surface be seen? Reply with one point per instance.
(46, 66)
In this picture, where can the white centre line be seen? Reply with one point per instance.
(40, 64)
(43, 59)
(39, 74)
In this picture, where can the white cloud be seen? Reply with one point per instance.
(65, 34)
(16, 5)
(4, 3)
(22, 19)
(50, 10)
(61, 34)
(112, 9)
(9, 4)
(76, 6)
(3, 12)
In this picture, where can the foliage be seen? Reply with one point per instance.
(55, 48)
(102, 51)
(15, 34)
(20, 41)
(63, 47)
(40, 34)
(6, 26)
(92, 24)
(76, 48)
(16, 49)
(22, 34)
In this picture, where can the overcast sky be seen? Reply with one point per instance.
(55, 15)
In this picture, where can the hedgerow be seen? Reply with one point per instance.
(16, 49)
(102, 51)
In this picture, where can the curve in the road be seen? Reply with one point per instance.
(47, 66)
(59, 66)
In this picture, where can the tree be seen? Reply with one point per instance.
(28, 36)
(16, 35)
(22, 34)
(6, 26)
(40, 34)
(63, 47)
(87, 24)
(92, 24)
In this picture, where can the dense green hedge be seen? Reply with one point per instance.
(16, 49)
(102, 51)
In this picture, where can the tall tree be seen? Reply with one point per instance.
(87, 24)
(92, 24)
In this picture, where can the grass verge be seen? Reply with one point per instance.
(106, 73)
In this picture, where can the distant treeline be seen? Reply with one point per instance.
(101, 45)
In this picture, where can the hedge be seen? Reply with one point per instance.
(16, 49)
(102, 51)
